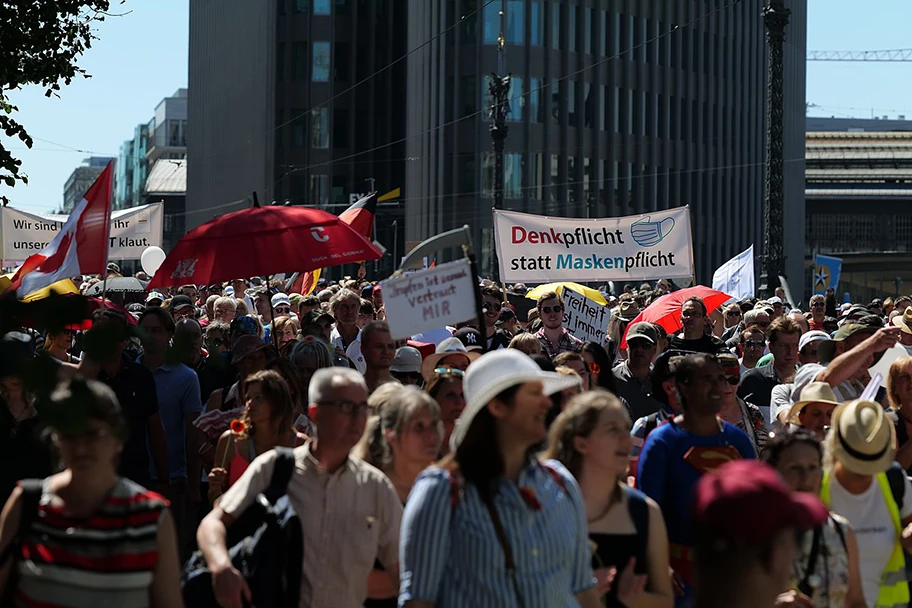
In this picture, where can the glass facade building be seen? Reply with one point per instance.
(617, 108)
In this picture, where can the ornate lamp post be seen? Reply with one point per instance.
(498, 89)
(776, 18)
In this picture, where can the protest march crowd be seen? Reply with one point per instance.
(233, 445)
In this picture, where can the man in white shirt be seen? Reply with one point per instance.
(345, 336)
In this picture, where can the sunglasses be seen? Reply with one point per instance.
(818, 305)
(495, 306)
(762, 323)
(733, 313)
(733, 380)
(283, 309)
(552, 309)
(449, 371)
(755, 343)
(414, 376)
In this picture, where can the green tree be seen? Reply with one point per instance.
(40, 43)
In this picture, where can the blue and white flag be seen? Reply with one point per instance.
(826, 272)
(736, 276)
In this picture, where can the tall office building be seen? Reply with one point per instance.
(617, 108)
(272, 113)
(81, 179)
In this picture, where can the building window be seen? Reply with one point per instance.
(535, 112)
(556, 102)
(338, 190)
(536, 177)
(320, 62)
(606, 36)
(516, 22)
(280, 62)
(319, 190)
(469, 94)
(587, 30)
(322, 7)
(319, 128)
(571, 104)
(341, 70)
(281, 6)
(487, 174)
(341, 7)
(555, 25)
(340, 128)
(299, 129)
(517, 99)
(538, 24)
(491, 17)
(301, 6)
(299, 61)
(572, 30)
(512, 175)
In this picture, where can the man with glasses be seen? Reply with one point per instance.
(757, 384)
(693, 337)
(676, 454)
(757, 317)
(753, 344)
(348, 510)
(182, 308)
(281, 306)
(818, 312)
(632, 375)
(379, 350)
(406, 367)
(554, 337)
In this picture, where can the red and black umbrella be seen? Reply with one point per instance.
(666, 311)
(262, 241)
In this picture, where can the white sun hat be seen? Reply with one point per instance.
(495, 372)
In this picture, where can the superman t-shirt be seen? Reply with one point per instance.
(671, 462)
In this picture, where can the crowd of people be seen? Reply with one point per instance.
(748, 459)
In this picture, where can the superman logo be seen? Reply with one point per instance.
(708, 459)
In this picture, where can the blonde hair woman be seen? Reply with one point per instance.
(591, 437)
(899, 392)
(526, 343)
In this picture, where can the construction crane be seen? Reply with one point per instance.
(889, 55)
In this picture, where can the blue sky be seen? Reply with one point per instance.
(142, 58)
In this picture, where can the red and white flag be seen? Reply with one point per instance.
(81, 246)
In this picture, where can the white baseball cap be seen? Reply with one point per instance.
(495, 372)
(812, 336)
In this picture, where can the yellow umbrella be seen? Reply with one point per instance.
(62, 287)
(593, 294)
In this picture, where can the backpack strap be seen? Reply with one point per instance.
(281, 474)
(805, 586)
(639, 514)
(897, 480)
(32, 489)
(841, 532)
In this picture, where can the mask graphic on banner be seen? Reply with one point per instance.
(647, 233)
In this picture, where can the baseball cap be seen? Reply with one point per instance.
(406, 361)
(471, 338)
(378, 289)
(280, 299)
(643, 331)
(749, 490)
(315, 316)
(774, 300)
(367, 291)
(155, 295)
(506, 314)
(178, 302)
(812, 336)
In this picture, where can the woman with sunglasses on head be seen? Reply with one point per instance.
(445, 387)
(85, 536)
(57, 344)
(401, 439)
(592, 439)
(738, 412)
(828, 576)
(267, 423)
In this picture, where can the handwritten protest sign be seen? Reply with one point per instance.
(584, 318)
(429, 299)
(132, 231)
(540, 249)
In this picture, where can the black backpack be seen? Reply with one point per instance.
(265, 545)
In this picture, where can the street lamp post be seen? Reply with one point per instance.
(498, 90)
(776, 18)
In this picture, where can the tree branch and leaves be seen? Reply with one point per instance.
(40, 44)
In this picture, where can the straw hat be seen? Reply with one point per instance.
(495, 372)
(815, 392)
(864, 441)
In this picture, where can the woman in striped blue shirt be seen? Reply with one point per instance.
(490, 526)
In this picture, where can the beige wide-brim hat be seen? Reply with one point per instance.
(815, 392)
(864, 440)
(495, 372)
(447, 348)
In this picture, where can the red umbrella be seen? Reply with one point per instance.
(666, 311)
(262, 241)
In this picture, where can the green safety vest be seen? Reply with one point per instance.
(894, 590)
